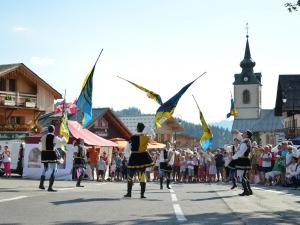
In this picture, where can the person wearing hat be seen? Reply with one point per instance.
(165, 166)
(79, 160)
(139, 158)
(49, 157)
(242, 162)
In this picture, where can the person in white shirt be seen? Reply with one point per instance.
(49, 157)
(242, 163)
(6, 161)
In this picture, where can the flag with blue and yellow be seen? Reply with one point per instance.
(63, 129)
(207, 136)
(166, 110)
(156, 97)
(233, 111)
(84, 101)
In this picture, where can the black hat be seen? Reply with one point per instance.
(51, 129)
(140, 127)
(249, 133)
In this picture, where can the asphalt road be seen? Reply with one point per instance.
(21, 202)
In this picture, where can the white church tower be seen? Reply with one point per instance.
(247, 89)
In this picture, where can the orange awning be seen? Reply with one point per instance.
(120, 142)
(89, 138)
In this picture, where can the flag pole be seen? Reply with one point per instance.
(99, 56)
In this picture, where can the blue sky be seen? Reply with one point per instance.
(159, 44)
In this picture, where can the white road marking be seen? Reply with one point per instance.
(179, 214)
(177, 209)
(174, 198)
(12, 199)
(65, 189)
(273, 191)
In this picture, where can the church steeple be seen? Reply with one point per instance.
(247, 63)
(247, 76)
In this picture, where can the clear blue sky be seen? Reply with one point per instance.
(160, 44)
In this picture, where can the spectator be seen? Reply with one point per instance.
(118, 161)
(6, 161)
(101, 169)
(266, 158)
(219, 158)
(93, 156)
(270, 176)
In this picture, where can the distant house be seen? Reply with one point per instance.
(288, 104)
(165, 134)
(104, 123)
(24, 96)
(267, 127)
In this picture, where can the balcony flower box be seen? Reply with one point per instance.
(30, 104)
(9, 102)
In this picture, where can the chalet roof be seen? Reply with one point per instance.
(7, 68)
(288, 88)
(267, 122)
(46, 119)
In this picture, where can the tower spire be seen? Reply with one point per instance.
(247, 63)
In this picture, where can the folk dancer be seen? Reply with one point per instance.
(242, 162)
(165, 166)
(231, 165)
(49, 157)
(79, 160)
(139, 158)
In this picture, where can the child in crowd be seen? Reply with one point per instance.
(6, 161)
(212, 169)
(101, 169)
(182, 168)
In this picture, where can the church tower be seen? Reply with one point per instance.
(247, 88)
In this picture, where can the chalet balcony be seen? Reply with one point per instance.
(17, 99)
(289, 132)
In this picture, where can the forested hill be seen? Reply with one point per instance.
(221, 136)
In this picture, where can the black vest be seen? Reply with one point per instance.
(50, 142)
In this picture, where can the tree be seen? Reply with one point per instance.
(292, 6)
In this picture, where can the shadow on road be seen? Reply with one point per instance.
(82, 200)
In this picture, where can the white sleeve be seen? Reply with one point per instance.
(242, 149)
(60, 141)
(150, 132)
(127, 150)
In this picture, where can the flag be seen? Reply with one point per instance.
(84, 101)
(233, 111)
(150, 94)
(64, 130)
(207, 136)
(166, 110)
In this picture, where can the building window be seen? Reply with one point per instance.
(1, 85)
(12, 85)
(246, 96)
(17, 120)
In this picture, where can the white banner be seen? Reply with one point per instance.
(33, 167)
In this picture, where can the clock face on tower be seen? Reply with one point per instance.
(245, 79)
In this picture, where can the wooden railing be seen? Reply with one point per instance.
(8, 98)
